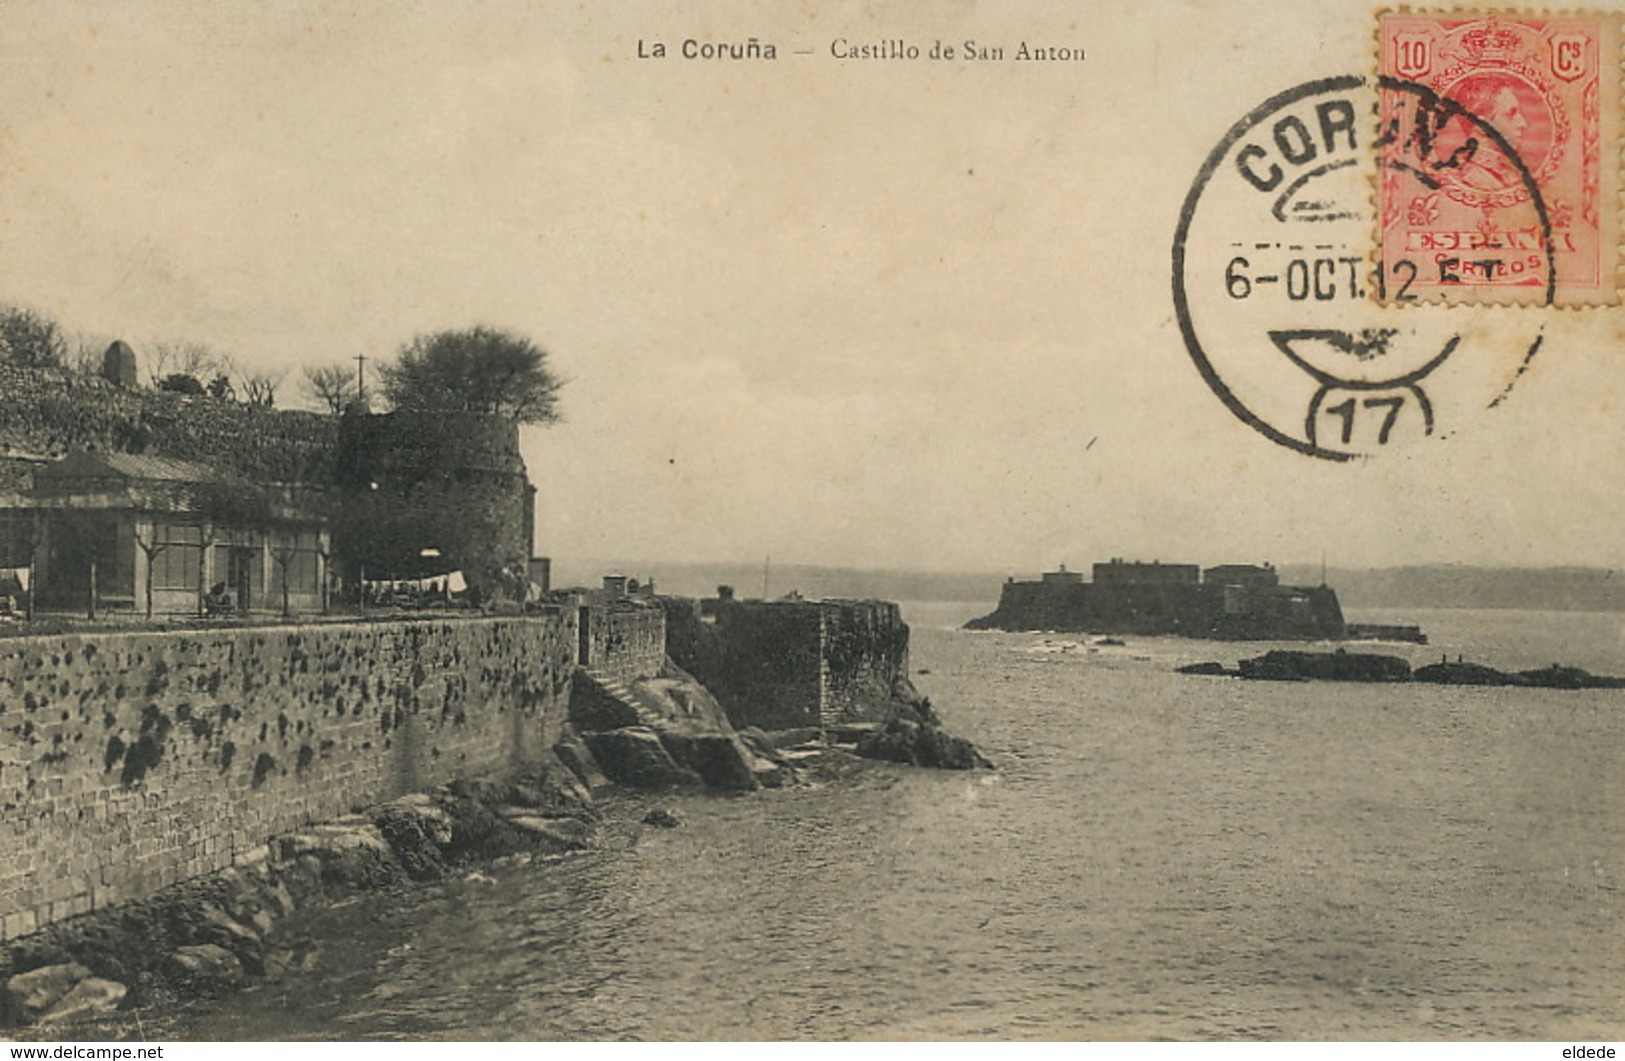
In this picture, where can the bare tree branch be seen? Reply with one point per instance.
(331, 386)
(184, 359)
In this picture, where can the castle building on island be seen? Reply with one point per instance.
(1228, 601)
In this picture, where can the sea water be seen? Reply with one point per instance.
(1156, 856)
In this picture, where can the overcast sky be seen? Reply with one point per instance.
(879, 314)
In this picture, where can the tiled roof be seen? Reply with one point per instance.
(86, 465)
(126, 481)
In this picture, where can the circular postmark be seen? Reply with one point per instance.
(1311, 292)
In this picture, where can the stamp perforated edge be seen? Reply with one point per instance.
(1613, 191)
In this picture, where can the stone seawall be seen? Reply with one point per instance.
(762, 660)
(865, 660)
(133, 761)
(794, 663)
(626, 640)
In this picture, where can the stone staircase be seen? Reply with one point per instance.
(670, 732)
(607, 685)
(608, 682)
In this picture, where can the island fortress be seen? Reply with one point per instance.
(1229, 602)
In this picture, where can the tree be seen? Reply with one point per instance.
(185, 359)
(480, 370)
(259, 388)
(283, 556)
(85, 356)
(31, 339)
(181, 383)
(146, 536)
(331, 386)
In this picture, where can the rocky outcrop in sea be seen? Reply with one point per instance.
(1366, 667)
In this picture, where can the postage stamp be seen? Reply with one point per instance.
(1278, 294)
(1360, 262)
(1499, 134)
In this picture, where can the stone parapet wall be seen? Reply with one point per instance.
(793, 663)
(770, 662)
(132, 761)
(626, 641)
(865, 659)
(414, 441)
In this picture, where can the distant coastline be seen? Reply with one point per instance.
(1576, 589)
(1421, 586)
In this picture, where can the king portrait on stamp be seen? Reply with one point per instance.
(1463, 224)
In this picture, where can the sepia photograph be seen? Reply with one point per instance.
(731, 521)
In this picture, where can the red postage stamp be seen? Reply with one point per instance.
(1499, 139)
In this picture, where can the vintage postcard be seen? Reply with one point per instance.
(1037, 520)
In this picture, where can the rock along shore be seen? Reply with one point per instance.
(215, 934)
